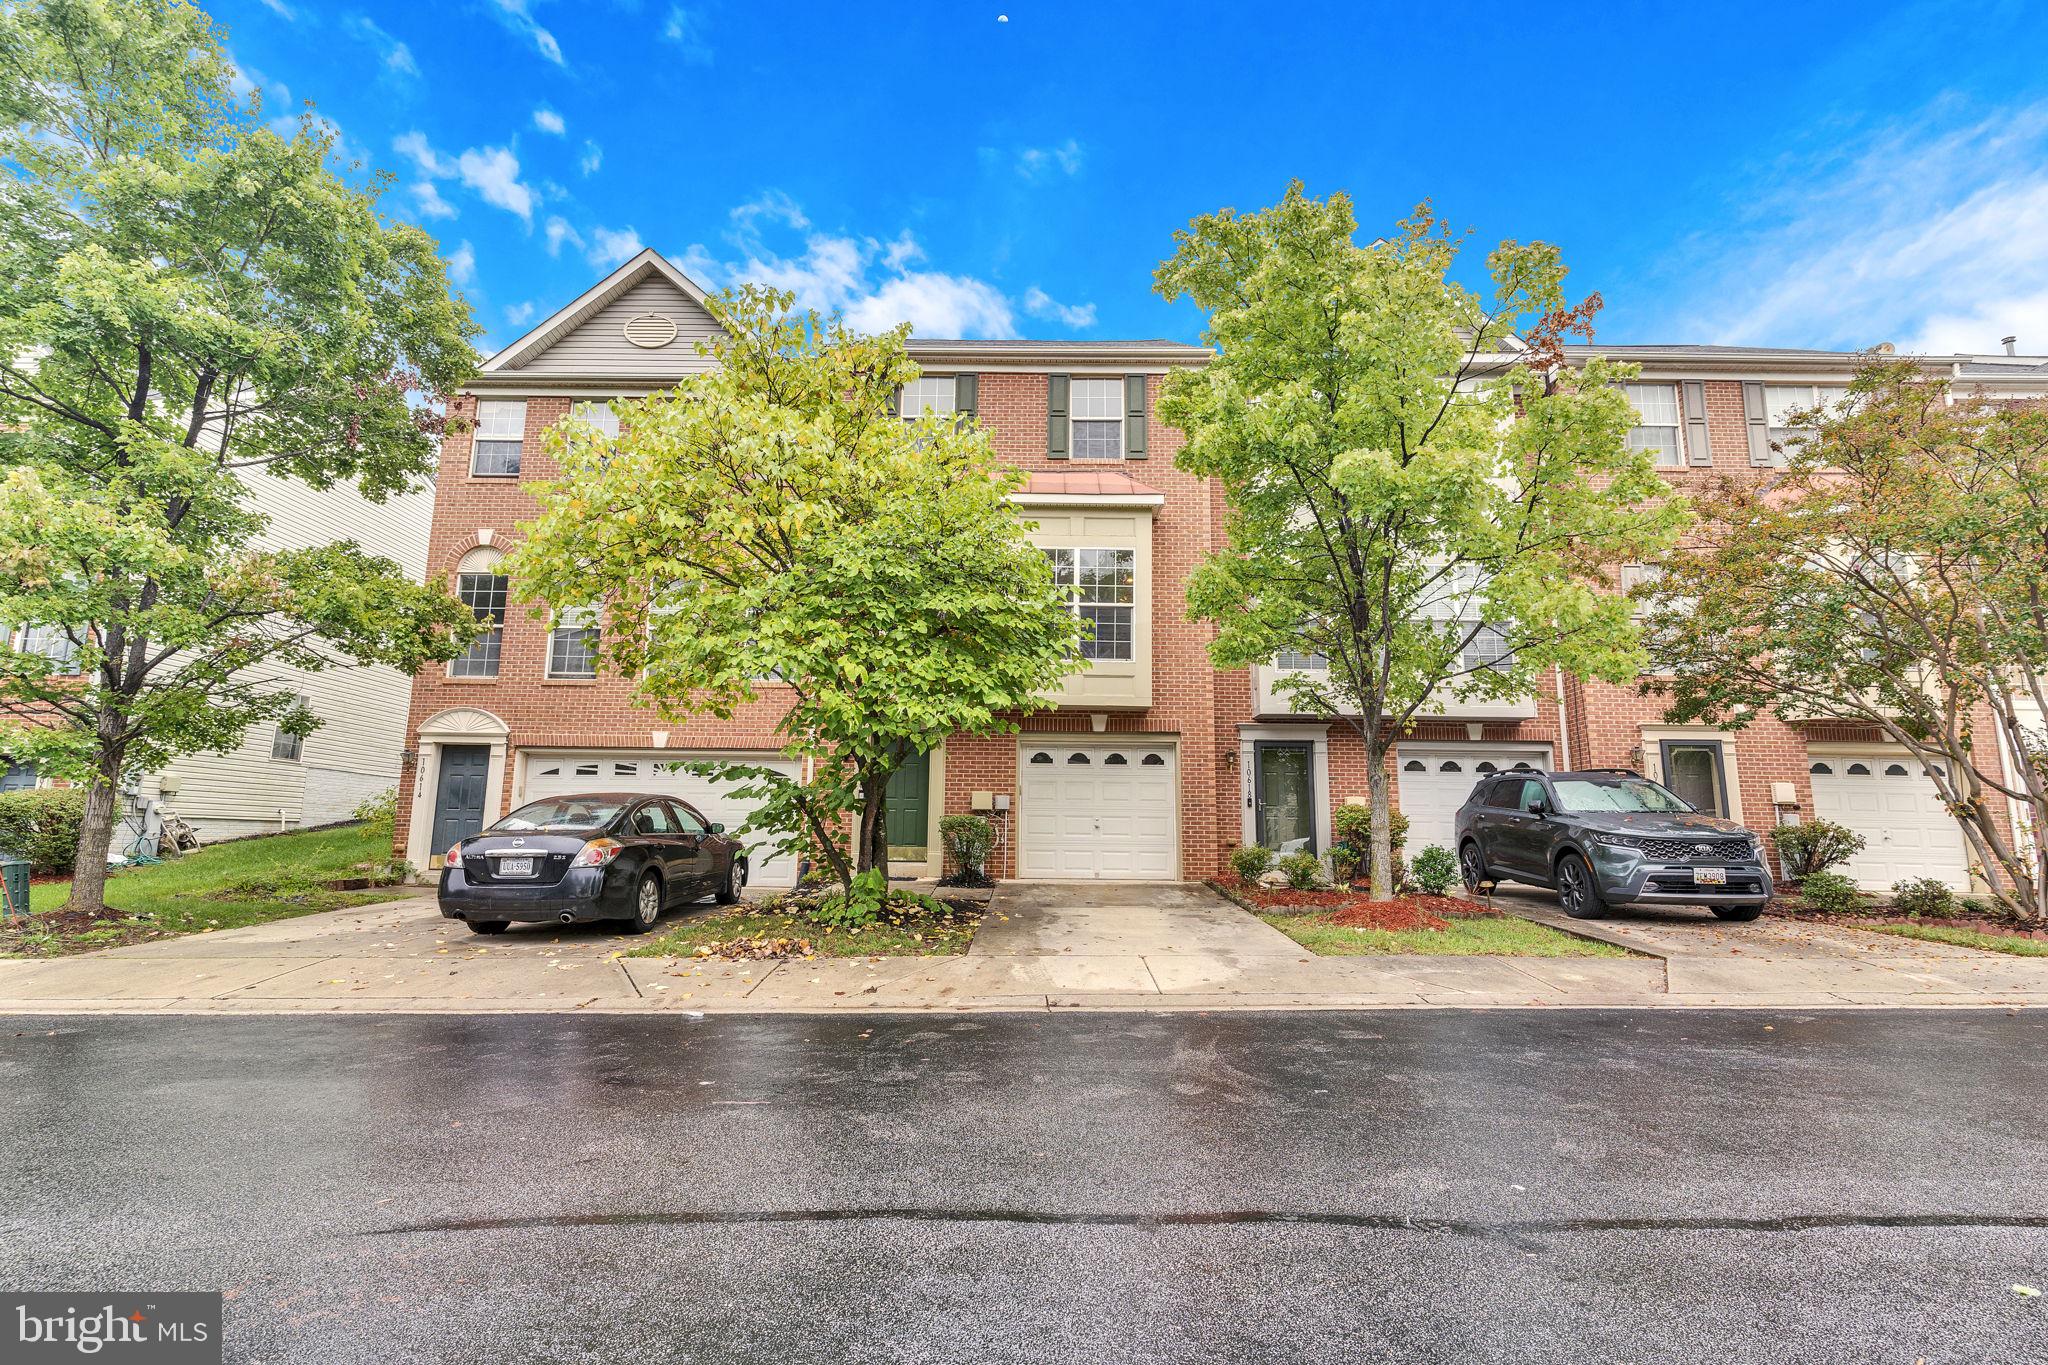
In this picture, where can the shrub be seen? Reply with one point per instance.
(41, 825)
(968, 839)
(1435, 870)
(380, 812)
(1353, 826)
(1303, 870)
(1923, 896)
(1251, 861)
(1830, 893)
(860, 907)
(1815, 846)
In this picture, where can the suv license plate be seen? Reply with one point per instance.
(523, 867)
(1710, 876)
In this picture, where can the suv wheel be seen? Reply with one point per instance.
(1472, 866)
(1575, 889)
(1738, 913)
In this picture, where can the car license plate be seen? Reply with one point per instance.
(515, 867)
(1710, 876)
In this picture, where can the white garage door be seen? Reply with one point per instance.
(1098, 811)
(1435, 782)
(555, 774)
(1894, 806)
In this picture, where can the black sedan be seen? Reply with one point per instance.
(621, 856)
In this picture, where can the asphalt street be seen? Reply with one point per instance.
(1402, 1186)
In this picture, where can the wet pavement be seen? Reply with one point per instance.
(1414, 1186)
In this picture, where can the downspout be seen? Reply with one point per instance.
(1564, 724)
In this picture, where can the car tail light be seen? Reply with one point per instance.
(454, 858)
(598, 852)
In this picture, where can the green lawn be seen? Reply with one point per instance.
(743, 926)
(1467, 936)
(225, 886)
(1964, 938)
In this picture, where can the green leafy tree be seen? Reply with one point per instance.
(1417, 487)
(1895, 574)
(187, 302)
(772, 519)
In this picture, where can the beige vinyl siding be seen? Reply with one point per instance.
(354, 753)
(599, 346)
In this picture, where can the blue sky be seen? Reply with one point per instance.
(1794, 174)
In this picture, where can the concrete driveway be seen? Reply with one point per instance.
(1136, 919)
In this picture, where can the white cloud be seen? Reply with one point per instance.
(281, 9)
(873, 283)
(1039, 163)
(548, 121)
(519, 314)
(684, 28)
(1925, 233)
(462, 264)
(1040, 304)
(397, 56)
(432, 164)
(429, 200)
(608, 247)
(493, 172)
(558, 231)
(251, 84)
(513, 15)
(593, 157)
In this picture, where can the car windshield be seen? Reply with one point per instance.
(1629, 795)
(562, 812)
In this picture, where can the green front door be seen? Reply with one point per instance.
(910, 808)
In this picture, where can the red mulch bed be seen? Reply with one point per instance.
(1355, 908)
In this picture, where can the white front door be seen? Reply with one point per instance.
(1099, 811)
(1888, 800)
(1435, 781)
(556, 774)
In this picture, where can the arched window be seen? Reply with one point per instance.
(1484, 767)
(1936, 770)
(1041, 757)
(1447, 766)
(1116, 758)
(1521, 768)
(1823, 769)
(1414, 765)
(1896, 770)
(481, 587)
(1077, 758)
(1154, 761)
(1858, 770)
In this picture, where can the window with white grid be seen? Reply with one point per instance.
(1782, 401)
(481, 588)
(597, 415)
(287, 746)
(1487, 648)
(929, 396)
(1102, 585)
(500, 432)
(1657, 423)
(1299, 661)
(1098, 419)
(572, 644)
(53, 643)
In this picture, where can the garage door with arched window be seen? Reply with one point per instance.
(1894, 805)
(1097, 812)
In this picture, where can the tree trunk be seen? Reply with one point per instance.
(1382, 816)
(872, 845)
(96, 835)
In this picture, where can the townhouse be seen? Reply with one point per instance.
(1151, 763)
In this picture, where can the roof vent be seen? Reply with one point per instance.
(2011, 344)
(650, 331)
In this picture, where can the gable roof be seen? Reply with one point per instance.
(591, 302)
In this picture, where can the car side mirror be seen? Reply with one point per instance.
(1540, 809)
(717, 828)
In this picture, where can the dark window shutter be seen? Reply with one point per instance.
(1056, 400)
(1134, 417)
(967, 395)
(1758, 419)
(1697, 449)
(896, 401)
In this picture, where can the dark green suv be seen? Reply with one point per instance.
(1608, 836)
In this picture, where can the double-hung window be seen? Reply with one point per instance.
(930, 396)
(1781, 401)
(1484, 647)
(1657, 423)
(500, 433)
(481, 588)
(1102, 585)
(288, 746)
(53, 643)
(1300, 661)
(572, 644)
(598, 415)
(1098, 419)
